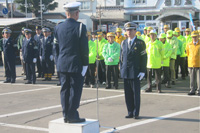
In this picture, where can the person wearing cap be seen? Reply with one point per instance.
(183, 55)
(93, 36)
(173, 41)
(90, 74)
(37, 38)
(166, 60)
(73, 61)
(104, 35)
(193, 53)
(144, 33)
(147, 38)
(30, 53)
(119, 38)
(125, 35)
(155, 54)
(166, 28)
(46, 54)
(138, 34)
(133, 60)
(2, 54)
(188, 40)
(100, 42)
(9, 49)
(20, 39)
(111, 53)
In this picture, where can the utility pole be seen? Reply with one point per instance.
(41, 12)
(26, 7)
(7, 8)
(11, 8)
(99, 13)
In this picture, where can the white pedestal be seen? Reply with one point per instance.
(89, 126)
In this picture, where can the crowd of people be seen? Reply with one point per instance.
(166, 53)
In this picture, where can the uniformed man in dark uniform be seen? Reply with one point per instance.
(30, 52)
(46, 55)
(133, 60)
(72, 61)
(9, 49)
(37, 38)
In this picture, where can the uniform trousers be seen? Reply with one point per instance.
(30, 72)
(90, 75)
(47, 68)
(157, 77)
(39, 67)
(112, 70)
(10, 70)
(71, 90)
(182, 64)
(132, 96)
(177, 64)
(172, 69)
(166, 75)
(101, 71)
(194, 79)
(22, 62)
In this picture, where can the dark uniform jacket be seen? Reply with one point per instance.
(133, 61)
(9, 49)
(73, 50)
(46, 48)
(29, 50)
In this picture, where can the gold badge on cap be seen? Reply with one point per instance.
(128, 25)
(135, 48)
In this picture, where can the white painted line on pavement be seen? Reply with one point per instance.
(168, 94)
(24, 127)
(152, 120)
(17, 92)
(56, 106)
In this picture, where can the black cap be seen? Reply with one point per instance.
(38, 27)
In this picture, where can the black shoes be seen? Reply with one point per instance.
(74, 120)
(191, 93)
(108, 87)
(58, 84)
(148, 90)
(136, 117)
(7, 81)
(28, 82)
(173, 82)
(12, 82)
(129, 116)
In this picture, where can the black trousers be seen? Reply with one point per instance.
(112, 70)
(177, 64)
(47, 67)
(30, 72)
(132, 96)
(101, 71)
(90, 75)
(182, 64)
(10, 70)
(71, 90)
(157, 77)
(166, 75)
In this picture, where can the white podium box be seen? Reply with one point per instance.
(89, 126)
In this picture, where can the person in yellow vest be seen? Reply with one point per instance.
(166, 60)
(138, 34)
(119, 38)
(100, 42)
(193, 53)
(166, 28)
(144, 33)
(155, 53)
(90, 74)
(188, 40)
(125, 35)
(173, 41)
(183, 53)
(147, 38)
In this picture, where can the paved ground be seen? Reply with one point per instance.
(29, 108)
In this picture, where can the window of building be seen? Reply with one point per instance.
(134, 17)
(148, 17)
(85, 5)
(155, 17)
(119, 2)
(139, 1)
(141, 17)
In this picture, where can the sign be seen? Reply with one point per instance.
(103, 27)
(150, 24)
(5, 11)
(183, 26)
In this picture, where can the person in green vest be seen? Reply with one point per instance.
(147, 38)
(155, 53)
(144, 33)
(138, 34)
(166, 28)
(90, 74)
(188, 40)
(20, 39)
(173, 41)
(183, 53)
(100, 42)
(166, 60)
(111, 53)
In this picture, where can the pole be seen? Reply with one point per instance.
(100, 18)
(26, 8)
(11, 8)
(7, 8)
(41, 12)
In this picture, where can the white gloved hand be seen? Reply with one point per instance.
(40, 58)
(34, 60)
(110, 59)
(51, 57)
(141, 75)
(84, 70)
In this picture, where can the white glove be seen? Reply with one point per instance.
(40, 58)
(141, 75)
(51, 57)
(34, 60)
(84, 70)
(110, 59)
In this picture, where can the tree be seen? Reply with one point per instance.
(34, 6)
